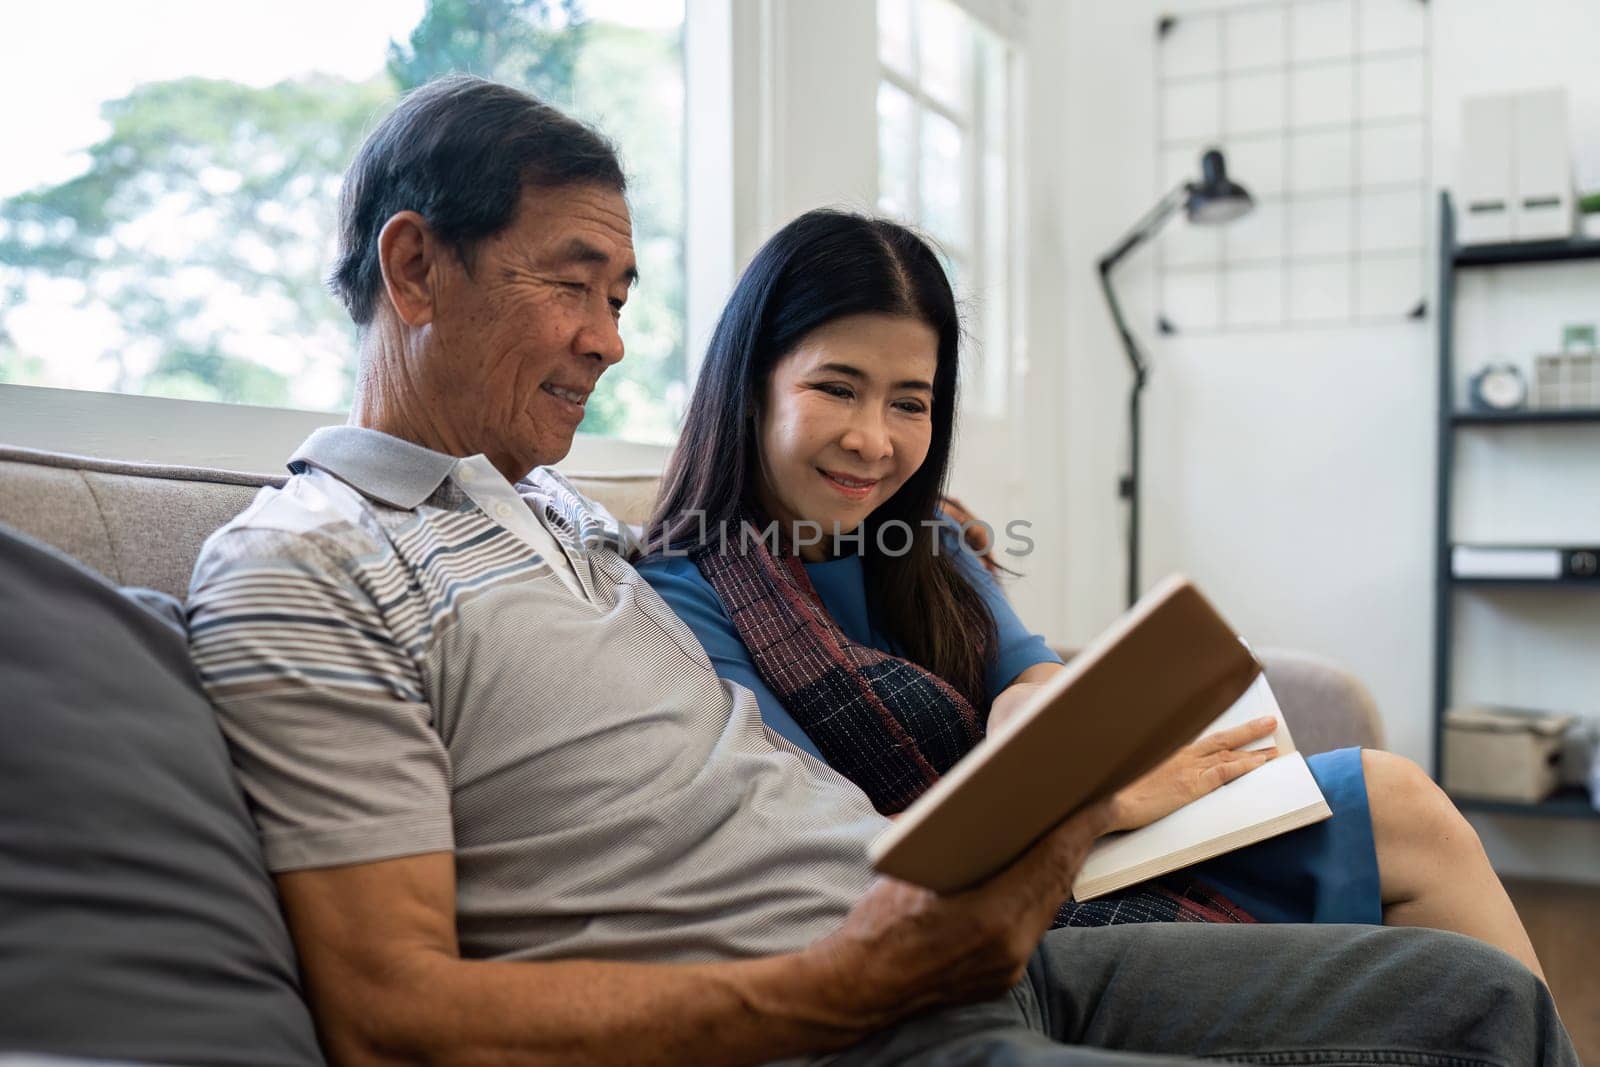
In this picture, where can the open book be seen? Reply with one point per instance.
(1166, 671)
(1279, 796)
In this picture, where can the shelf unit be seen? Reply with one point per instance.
(1519, 252)
(1526, 583)
(1568, 802)
(1524, 418)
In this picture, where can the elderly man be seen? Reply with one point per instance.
(513, 813)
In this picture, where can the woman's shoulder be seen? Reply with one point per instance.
(688, 595)
(673, 565)
(678, 581)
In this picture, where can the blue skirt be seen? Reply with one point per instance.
(1324, 873)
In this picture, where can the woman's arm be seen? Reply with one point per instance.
(1024, 661)
(1018, 650)
(1014, 695)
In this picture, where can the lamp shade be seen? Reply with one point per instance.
(1216, 198)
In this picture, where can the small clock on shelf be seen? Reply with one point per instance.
(1498, 387)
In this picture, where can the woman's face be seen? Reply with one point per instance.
(847, 418)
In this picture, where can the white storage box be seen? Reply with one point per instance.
(1503, 754)
(1487, 177)
(1516, 169)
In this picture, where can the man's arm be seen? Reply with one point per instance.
(387, 984)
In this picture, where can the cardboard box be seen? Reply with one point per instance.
(1502, 753)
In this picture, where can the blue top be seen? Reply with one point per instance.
(841, 584)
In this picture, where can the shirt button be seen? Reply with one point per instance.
(464, 472)
(502, 510)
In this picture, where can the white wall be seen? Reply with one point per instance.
(1292, 474)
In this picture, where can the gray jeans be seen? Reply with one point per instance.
(1168, 993)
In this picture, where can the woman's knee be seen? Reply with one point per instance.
(1408, 807)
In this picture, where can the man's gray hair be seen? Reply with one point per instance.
(459, 151)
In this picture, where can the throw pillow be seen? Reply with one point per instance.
(137, 921)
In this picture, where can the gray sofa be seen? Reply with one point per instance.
(137, 921)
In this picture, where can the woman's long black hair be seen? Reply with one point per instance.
(823, 266)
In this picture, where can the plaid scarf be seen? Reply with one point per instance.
(889, 725)
(1177, 898)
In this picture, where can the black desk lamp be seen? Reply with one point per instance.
(1213, 200)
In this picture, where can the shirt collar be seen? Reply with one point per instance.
(387, 469)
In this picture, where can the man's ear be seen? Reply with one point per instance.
(407, 254)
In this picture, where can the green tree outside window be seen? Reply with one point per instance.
(200, 232)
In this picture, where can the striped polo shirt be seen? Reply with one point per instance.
(399, 669)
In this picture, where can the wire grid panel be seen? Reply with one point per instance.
(1322, 108)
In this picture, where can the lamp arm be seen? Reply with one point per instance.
(1147, 227)
(1141, 366)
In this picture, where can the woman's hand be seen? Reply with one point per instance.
(1192, 772)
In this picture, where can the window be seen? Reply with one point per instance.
(168, 225)
(946, 121)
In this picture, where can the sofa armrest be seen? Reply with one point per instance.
(1325, 705)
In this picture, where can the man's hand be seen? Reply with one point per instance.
(975, 533)
(904, 949)
(1192, 772)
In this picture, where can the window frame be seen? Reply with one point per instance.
(1000, 367)
(237, 437)
(922, 102)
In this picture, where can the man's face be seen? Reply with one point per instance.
(519, 341)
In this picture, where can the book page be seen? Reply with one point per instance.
(1258, 702)
(1278, 796)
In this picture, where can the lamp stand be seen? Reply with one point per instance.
(1128, 483)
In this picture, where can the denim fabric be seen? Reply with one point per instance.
(1330, 995)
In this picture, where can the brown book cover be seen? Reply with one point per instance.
(1144, 688)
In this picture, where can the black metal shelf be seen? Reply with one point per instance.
(1526, 417)
(1515, 253)
(1569, 803)
(1525, 583)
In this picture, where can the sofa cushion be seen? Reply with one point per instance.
(136, 918)
(144, 523)
(135, 523)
